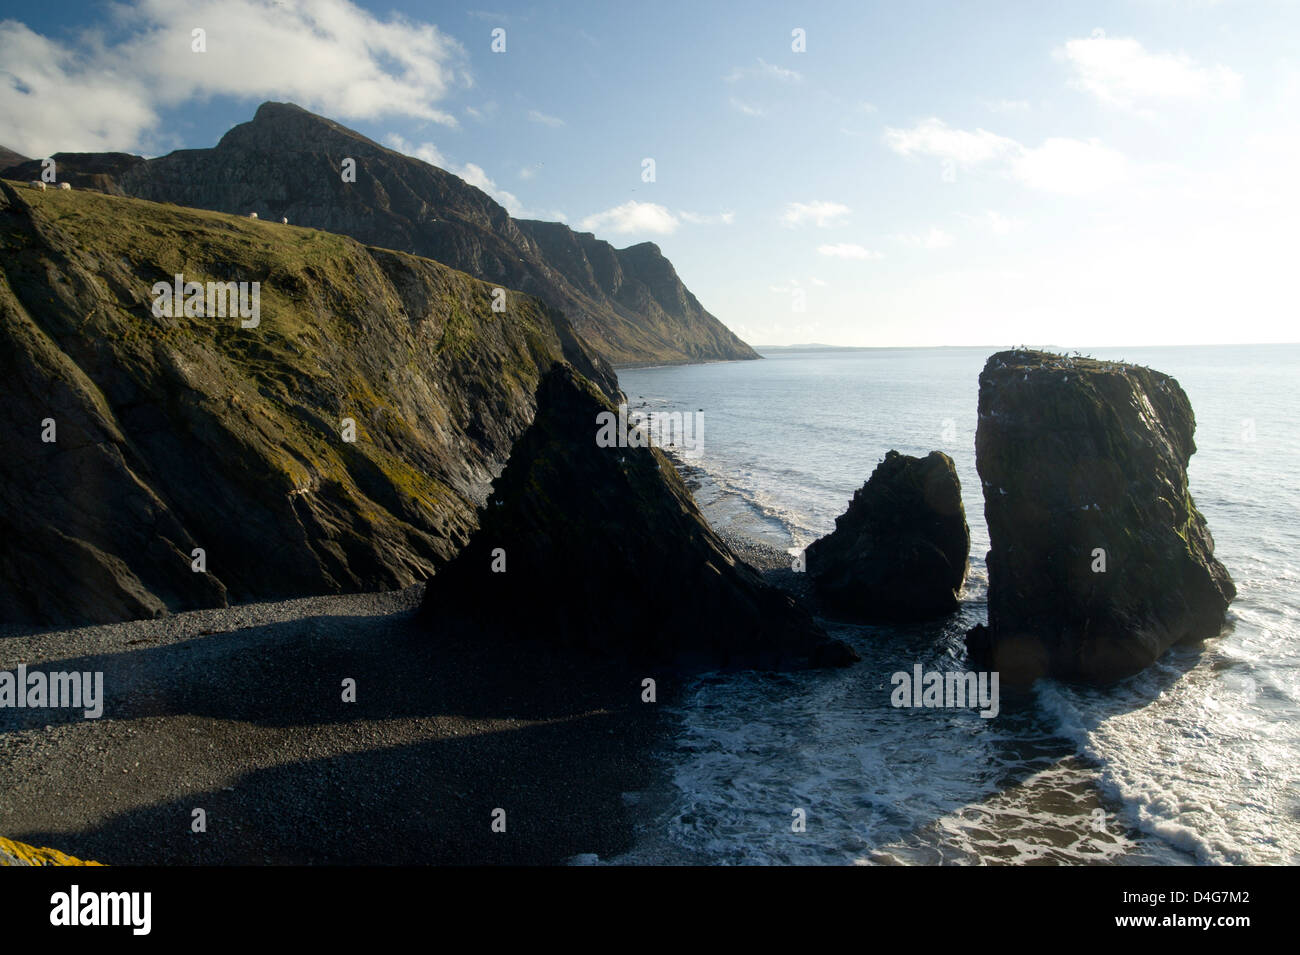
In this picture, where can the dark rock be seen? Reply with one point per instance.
(899, 551)
(1085, 461)
(605, 550)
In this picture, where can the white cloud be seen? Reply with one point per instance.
(633, 217)
(934, 239)
(537, 116)
(764, 70)
(527, 172)
(819, 212)
(649, 217)
(1007, 105)
(847, 250)
(695, 218)
(745, 108)
(934, 137)
(1071, 167)
(1120, 72)
(326, 55)
(997, 223)
(472, 173)
(1060, 165)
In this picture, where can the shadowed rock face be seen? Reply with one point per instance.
(193, 432)
(627, 304)
(1099, 559)
(604, 549)
(899, 552)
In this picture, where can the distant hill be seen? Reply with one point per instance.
(10, 158)
(628, 304)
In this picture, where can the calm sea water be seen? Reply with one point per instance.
(1197, 760)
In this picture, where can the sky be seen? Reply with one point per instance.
(922, 173)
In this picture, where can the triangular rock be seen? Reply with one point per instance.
(603, 548)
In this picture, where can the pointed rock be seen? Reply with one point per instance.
(603, 548)
(899, 551)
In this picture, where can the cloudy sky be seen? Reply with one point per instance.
(925, 173)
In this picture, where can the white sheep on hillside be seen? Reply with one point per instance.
(37, 184)
(65, 185)
(284, 220)
(252, 215)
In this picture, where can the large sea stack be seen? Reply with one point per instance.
(602, 548)
(1099, 559)
(899, 552)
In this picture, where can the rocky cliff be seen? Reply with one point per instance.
(1099, 559)
(899, 552)
(628, 304)
(133, 439)
(603, 548)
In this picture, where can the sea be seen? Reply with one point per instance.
(1195, 761)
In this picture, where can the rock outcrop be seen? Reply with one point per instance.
(1099, 559)
(627, 304)
(133, 440)
(20, 854)
(603, 548)
(899, 552)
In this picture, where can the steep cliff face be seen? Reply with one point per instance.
(899, 552)
(628, 304)
(171, 434)
(1099, 559)
(603, 548)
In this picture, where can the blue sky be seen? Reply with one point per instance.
(921, 173)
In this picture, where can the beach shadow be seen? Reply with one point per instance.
(431, 802)
(293, 673)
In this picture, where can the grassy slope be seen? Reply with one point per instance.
(234, 432)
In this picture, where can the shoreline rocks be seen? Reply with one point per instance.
(603, 548)
(899, 552)
(1099, 559)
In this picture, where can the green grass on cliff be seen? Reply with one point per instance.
(406, 347)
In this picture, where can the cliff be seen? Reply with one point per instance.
(171, 434)
(603, 549)
(628, 304)
(1099, 559)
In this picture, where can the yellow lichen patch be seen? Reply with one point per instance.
(18, 853)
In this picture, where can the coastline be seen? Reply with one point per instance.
(238, 711)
